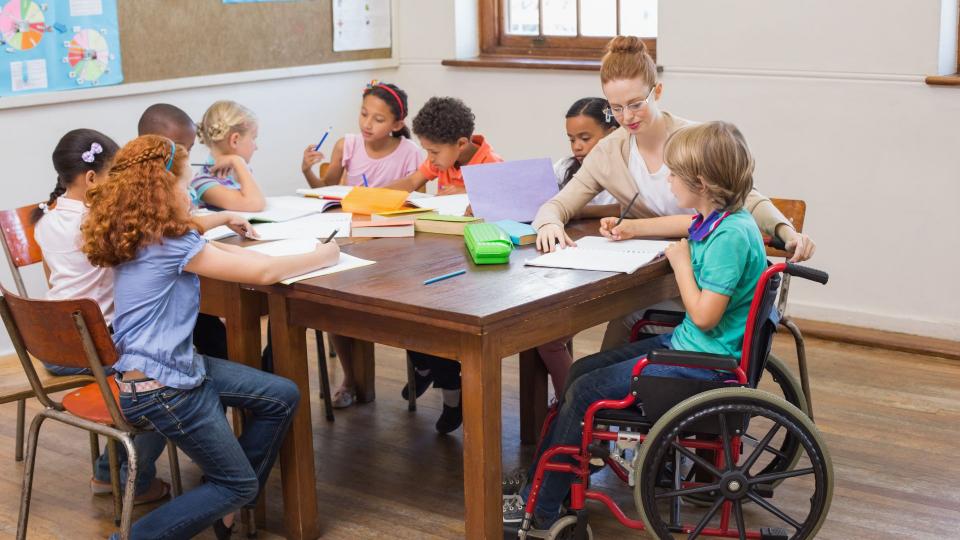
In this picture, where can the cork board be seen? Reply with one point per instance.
(169, 39)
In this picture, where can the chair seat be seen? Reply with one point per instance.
(14, 385)
(87, 402)
(630, 417)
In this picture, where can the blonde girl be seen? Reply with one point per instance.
(229, 130)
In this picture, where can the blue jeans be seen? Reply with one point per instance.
(605, 375)
(149, 445)
(235, 468)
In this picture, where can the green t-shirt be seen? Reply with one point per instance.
(729, 262)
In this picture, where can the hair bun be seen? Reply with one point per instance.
(627, 45)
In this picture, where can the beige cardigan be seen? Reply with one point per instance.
(606, 168)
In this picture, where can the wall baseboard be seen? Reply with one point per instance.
(882, 339)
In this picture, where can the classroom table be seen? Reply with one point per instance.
(478, 318)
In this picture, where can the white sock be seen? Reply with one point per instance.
(451, 398)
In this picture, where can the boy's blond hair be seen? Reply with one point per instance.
(223, 119)
(713, 155)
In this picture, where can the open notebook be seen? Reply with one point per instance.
(598, 253)
(305, 245)
(448, 205)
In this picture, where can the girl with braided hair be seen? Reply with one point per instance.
(139, 224)
(229, 130)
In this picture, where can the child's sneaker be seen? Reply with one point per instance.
(422, 382)
(450, 419)
(514, 481)
(513, 508)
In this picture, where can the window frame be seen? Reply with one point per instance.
(494, 40)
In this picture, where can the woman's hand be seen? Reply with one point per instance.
(678, 253)
(801, 245)
(310, 158)
(623, 231)
(550, 235)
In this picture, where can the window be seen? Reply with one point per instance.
(575, 29)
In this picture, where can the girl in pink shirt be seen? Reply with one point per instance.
(382, 150)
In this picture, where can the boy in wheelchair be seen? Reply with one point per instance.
(717, 271)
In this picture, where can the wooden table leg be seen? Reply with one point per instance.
(296, 454)
(533, 395)
(481, 373)
(364, 369)
(242, 314)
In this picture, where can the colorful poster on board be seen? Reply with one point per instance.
(361, 24)
(58, 45)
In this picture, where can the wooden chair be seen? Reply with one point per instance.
(20, 249)
(795, 211)
(72, 333)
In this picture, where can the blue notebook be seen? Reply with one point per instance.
(520, 234)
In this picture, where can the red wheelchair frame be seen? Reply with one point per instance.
(581, 455)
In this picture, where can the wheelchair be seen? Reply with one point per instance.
(704, 458)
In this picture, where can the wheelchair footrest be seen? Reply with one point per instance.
(774, 533)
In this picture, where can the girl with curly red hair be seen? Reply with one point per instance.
(139, 224)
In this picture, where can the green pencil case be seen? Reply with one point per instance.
(487, 243)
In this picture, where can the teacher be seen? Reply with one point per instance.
(630, 160)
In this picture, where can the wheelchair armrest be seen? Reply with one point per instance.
(692, 358)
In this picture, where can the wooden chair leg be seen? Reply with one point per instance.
(801, 361)
(94, 452)
(28, 468)
(115, 479)
(324, 377)
(177, 485)
(411, 385)
(21, 418)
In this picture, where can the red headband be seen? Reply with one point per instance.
(396, 96)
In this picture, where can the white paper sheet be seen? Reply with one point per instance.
(347, 262)
(312, 226)
(361, 24)
(598, 253)
(28, 75)
(445, 205)
(86, 8)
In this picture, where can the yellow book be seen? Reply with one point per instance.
(367, 200)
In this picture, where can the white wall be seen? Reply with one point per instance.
(829, 95)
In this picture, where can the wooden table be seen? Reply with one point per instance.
(479, 318)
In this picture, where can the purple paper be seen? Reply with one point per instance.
(510, 190)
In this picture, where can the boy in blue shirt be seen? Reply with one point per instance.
(717, 269)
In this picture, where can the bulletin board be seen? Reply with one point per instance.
(170, 39)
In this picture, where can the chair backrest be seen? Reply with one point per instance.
(324, 167)
(795, 211)
(762, 327)
(63, 332)
(19, 244)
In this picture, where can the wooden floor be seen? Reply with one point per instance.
(890, 419)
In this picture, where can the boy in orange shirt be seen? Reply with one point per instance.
(445, 128)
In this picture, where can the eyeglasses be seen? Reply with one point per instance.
(634, 107)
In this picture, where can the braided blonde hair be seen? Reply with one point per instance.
(223, 119)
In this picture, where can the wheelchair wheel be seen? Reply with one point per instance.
(565, 529)
(781, 453)
(800, 503)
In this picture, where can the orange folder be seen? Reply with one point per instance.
(367, 200)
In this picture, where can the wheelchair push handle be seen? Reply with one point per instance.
(806, 272)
